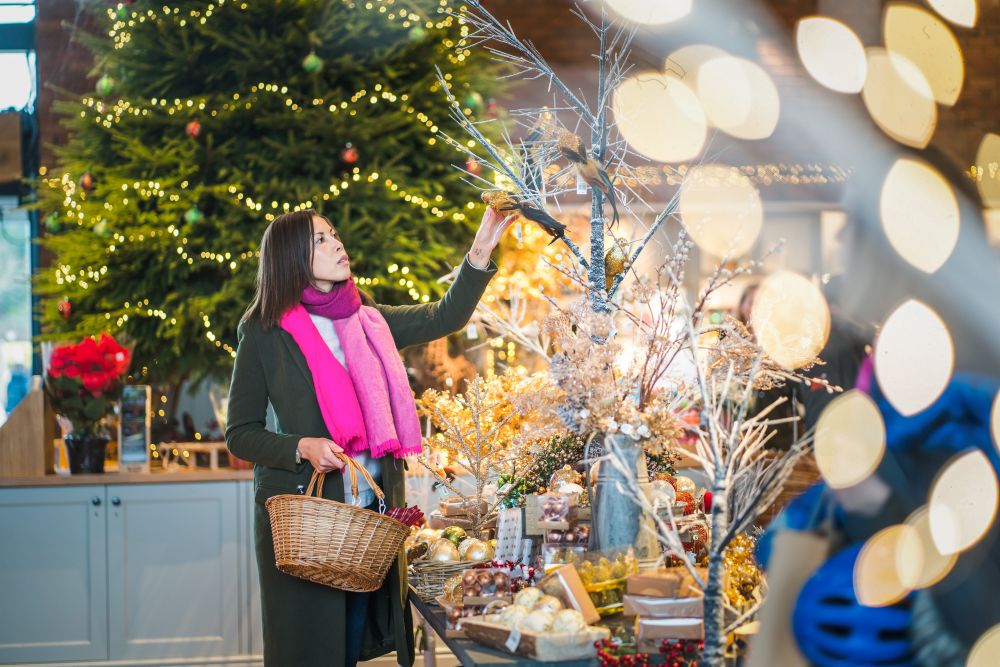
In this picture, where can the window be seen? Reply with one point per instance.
(18, 86)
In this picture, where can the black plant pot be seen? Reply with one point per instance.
(85, 452)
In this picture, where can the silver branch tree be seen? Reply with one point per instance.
(572, 129)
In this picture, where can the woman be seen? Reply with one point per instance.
(329, 369)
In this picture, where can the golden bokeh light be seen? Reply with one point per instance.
(832, 53)
(899, 98)
(914, 357)
(876, 578)
(651, 12)
(988, 170)
(660, 117)
(959, 12)
(963, 502)
(918, 560)
(790, 319)
(919, 214)
(721, 210)
(924, 40)
(850, 439)
(739, 97)
(986, 651)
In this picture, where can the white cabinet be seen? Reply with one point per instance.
(148, 573)
(174, 570)
(53, 574)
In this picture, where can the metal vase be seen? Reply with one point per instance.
(617, 520)
(85, 451)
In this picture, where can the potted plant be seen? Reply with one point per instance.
(84, 381)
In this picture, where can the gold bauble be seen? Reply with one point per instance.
(444, 551)
(614, 264)
(685, 484)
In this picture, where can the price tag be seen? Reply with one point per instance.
(513, 640)
(581, 185)
(471, 332)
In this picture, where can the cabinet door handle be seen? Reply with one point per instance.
(116, 501)
(95, 501)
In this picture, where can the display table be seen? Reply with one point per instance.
(469, 653)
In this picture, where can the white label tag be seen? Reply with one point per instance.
(513, 640)
(471, 332)
(518, 232)
(581, 185)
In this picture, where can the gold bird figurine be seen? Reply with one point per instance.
(590, 170)
(504, 202)
(615, 262)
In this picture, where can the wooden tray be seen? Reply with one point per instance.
(546, 647)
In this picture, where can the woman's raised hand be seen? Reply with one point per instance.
(322, 453)
(491, 228)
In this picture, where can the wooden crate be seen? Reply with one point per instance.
(26, 438)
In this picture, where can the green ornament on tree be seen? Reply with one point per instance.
(193, 216)
(418, 33)
(105, 85)
(52, 223)
(474, 101)
(123, 12)
(312, 63)
(101, 228)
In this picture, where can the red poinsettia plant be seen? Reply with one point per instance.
(85, 380)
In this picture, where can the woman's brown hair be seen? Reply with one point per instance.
(285, 267)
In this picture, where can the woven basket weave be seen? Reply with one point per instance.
(332, 543)
(427, 577)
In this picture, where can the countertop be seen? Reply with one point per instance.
(129, 478)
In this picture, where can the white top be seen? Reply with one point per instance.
(373, 466)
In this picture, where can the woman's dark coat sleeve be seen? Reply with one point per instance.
(246, 435)
(420, 323)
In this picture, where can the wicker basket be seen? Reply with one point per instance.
(332, 543)
(427, 577)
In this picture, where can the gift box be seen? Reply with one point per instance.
(673, 582)
(655, 630)
(656, 607)
(456, 506)
(564, 583)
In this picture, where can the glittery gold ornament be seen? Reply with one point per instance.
(742, 574)
(685, 484)
(614, 263)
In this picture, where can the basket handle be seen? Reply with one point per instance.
(353, 468)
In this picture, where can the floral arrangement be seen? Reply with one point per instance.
(85, 380)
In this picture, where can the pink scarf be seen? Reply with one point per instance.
(369, 406)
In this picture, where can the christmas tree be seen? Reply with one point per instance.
(209, 119)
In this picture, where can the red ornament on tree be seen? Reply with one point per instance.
(65, 307)
(492, 109)
(193, 128)
(706, 502)
(87, 182)
(473, 167)
(349, 154)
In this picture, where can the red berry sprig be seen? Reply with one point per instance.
(609, 654)
(685, 653)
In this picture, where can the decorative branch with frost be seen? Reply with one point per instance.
(745, 477)
(523, 167)
(479, 430)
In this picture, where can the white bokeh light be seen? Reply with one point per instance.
(660, 117)
(914, 357)
(832, 54)
(919, 214)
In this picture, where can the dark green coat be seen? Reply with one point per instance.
(304, 622)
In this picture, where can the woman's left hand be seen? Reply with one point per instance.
(491, 229)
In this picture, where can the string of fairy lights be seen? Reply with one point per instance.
(108, 115)
(124, 19)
